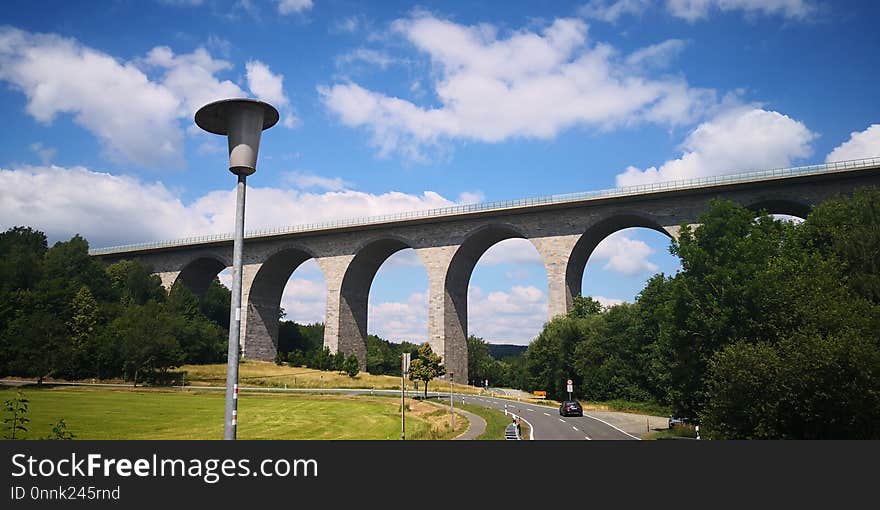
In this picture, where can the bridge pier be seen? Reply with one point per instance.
(555, 252)
(447, 324)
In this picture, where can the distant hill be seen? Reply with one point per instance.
(501, 351)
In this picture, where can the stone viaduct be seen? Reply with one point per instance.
(564, 229)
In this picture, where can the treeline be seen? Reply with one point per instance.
(507, 372)
(303, 345)
(770, 329)
(66, 315)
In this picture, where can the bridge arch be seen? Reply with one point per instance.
(784, 206)
(455, 290)
(595, 234)
(198, 273)
(264, 295)
(354, 292)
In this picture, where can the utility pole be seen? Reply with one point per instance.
(404, 368)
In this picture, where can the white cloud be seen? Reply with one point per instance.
(693, 10)
(515, 251)
(293, 6)
(136, 118)
(190, 79)
(624, 255)
(305, 299)
(182, 3)
(113, 210)
(269, 87)
(348, 25)
(656, 55)
(611, 11)
(471, 197)
(290, 120)
(305, 180)
(104, 208)
(46, 154)
(861, 144)
(607, 302)
(515, 316)
(265, 85)
(398, 322)
(368, 56)
(737, 139)
(529, 84)
(403, 258)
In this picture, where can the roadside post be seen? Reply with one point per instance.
(404, 369)
(451, 406)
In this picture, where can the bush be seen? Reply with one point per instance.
(351, 366)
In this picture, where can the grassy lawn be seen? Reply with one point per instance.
(93, 413)
(496, 421)
(264, 373)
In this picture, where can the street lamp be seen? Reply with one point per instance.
(241, 121)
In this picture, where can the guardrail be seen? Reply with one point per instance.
(702, 182)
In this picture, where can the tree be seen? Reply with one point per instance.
(716, 299)
(21, 258)
(148, 346)
(550, 358)
(351, 366)
(215, 304)
(426, 367)
(479, 361)
(40, 345)
(847, 229)
(17, 408)
(582, 307)
(132, 282)
(60, 432)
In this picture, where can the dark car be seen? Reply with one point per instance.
(675, 421)
(571, 408)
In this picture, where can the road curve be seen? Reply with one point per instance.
(547, 424)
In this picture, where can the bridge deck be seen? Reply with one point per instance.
(506, 205)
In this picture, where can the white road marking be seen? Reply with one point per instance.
(530, 409)
(531, 429)
(575, 429)
(546, 414)
(614, 427)
(560, 419)
(588, 438)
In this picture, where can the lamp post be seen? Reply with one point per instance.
(242, 121)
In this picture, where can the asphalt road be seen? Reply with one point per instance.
(546, 423)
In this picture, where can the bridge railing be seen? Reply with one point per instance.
(682, 184)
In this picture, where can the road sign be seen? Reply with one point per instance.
(569, 382)
(406, 360)
(569, 388)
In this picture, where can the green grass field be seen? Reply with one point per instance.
(102, 413)
(496, 421)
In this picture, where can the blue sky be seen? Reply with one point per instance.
(394, 106)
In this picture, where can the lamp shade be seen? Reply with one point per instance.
(242, 121)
